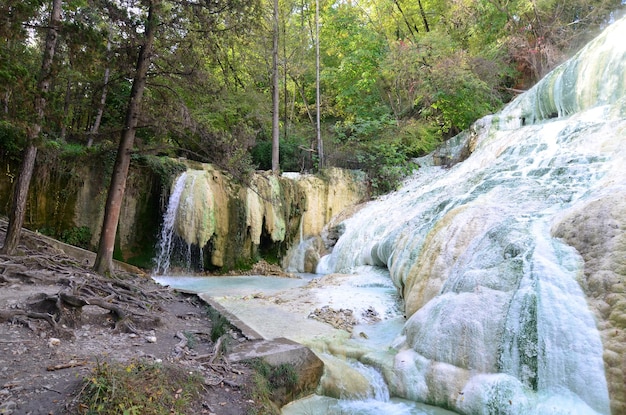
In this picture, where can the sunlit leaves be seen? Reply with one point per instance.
(352, 53)
(435, 81)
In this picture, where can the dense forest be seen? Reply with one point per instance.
(365, 84)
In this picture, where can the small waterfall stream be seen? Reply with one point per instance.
(166, 238)
(171, 247)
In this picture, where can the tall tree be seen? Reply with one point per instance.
(93, 130)
(104, 258)
(275, 93)
(20, 191)
(318, 126)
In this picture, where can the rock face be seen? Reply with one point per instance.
(597, 230)
(67, 199)
(229, 224)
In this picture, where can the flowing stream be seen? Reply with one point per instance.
(481, 307)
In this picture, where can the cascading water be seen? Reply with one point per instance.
(502, 312)
(510, 265)
(169, 242)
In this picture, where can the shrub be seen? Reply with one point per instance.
(79, 236)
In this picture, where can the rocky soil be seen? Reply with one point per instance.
(44, 358)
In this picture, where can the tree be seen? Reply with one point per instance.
(275, 93)
(20, 191)
(93, 130)
(318, 127)
(104, 258)
(172, 33)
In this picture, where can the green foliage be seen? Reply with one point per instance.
(78, 236)
(397, 77)
(284, 375)
(386, 164)
(351, 61)
(383, 148)
(12, 140)
(363, 129)
(292, 154)
(192, 341)
(262, 397)
(418, 138)
(262, 155)
(435, 82)
(138, 387)
(165, 168)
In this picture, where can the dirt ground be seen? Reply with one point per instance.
(42, 367)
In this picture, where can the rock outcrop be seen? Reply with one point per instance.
(597, 230)
(231, 223)
(227, 224)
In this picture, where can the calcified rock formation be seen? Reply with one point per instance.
(230, 224)
(512, 264)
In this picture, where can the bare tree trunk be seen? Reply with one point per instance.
(104, 257)
(286, 118)
(423, 14)
(18, 207)
(103, 99)
(304, 101)
(275, 96)
(318, 127)
(66, 109)
(406, 21)
(20, 191)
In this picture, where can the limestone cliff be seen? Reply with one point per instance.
(228, 225)
(231, 224)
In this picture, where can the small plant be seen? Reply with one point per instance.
(261, 396)
(220, 325)
(137, 387)
(191, 340)
(284, 375)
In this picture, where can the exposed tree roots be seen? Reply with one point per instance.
(129, 304)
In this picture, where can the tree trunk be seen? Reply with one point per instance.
(20, 191)
(423, 14)
(318, 127)
(18, 207)
(406, 21)
(104, 258)
(66, 109)
(275, 96)
(103, 99)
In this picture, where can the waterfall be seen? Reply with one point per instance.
(167, 237)
(506, 302)
(509, 265)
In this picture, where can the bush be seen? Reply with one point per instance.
(78, 236)
(220, 325)
(291, 154)
(268, 380)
